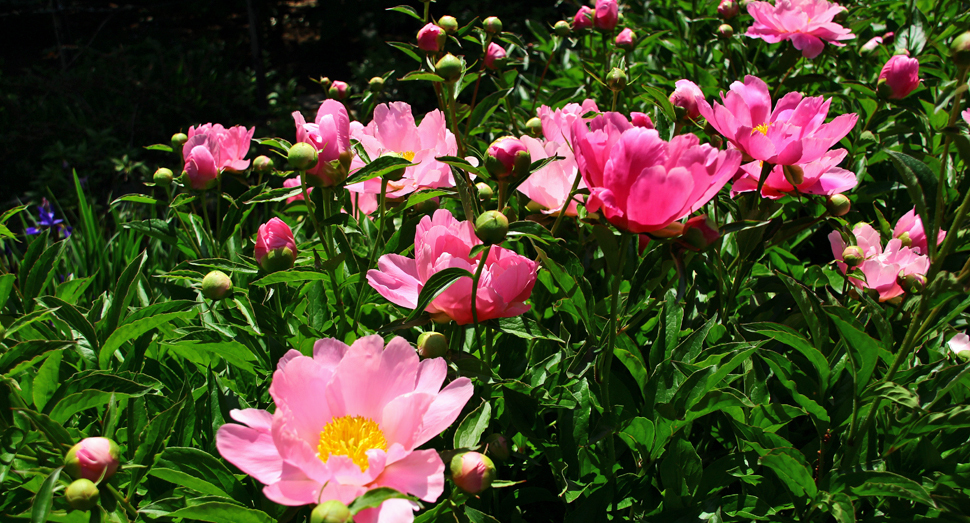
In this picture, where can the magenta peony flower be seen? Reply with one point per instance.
(93, 459)
(728, 9)
(349, 420)
(901, 75)
(819, 177)
(295, 182)
(606, 15)
(431, 38)
(641, 120)
(685, 95)
(330, 134)
(583, 18)
(624, 40)
(441, 242)
(911, 226)
(549, 186)
(275, 246)
(494, 52)
(881, 267)
(807, 23)
(557, 124)
(338, 90)
(791, 134)
(647, 183)
(211, 149)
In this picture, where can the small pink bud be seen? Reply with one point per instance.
(624, 40)
(472, 472)
(606, 15)
(506, 157)
(275, 246)
(338, 90)
(583, 18)
(92, 458)
(431, 38)
(900, 76)
(494, 56)
(685, 95)
(728, 9)
(853, 256)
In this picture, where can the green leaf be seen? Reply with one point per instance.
(41, 272)
(810, 307)
(681, 473)
(408, 10)
(133, 330)
(788, 336)
(222, 512)
(44, 499)
(122, 296)
(275, 195)
(225, 265)
(75, 403)
(151, 441)
(863, 352)
(421, 75)
(199, 471)
(374, 498)
(875, 483)
(73, 318)
(470, 430)
(26, 320)
(530, 229)
(6, 285)
(125, 383)
(182, 199)
(291, 275)
(435, 285)
(792, 468)
(24, 353)
(47, 380)
(922, 186)
(381, 166)
(135, 198)
(159, 147)
(54, 432)
(233, 352)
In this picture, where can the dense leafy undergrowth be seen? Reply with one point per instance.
(691, 262)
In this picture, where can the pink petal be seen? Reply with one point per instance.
(420, 474)
(445, 409)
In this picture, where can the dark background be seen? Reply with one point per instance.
(86, 85)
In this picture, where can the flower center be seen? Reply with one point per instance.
(408, 155)
(351, 436)
(763, 129)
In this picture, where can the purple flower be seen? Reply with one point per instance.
(47, 218)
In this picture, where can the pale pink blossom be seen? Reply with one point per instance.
(441, 242)
(557, 124)
(494, 53)
(606, 15)
(330, 135)
(212, 149)
(912, 226)
(348, 420)
(295, 182)
(583, 18)
(872, 44)
(901, 74)
(960, 345)
(823, 176)
(685, 95)
(550, 186)
(882, 268)
(807, 23)
(793, 133)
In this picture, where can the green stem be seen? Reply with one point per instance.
(313, 214)
(478, 275)
(565, 206)
(503, 194)
(427, 8)
(535, 99)
(382, 205)
(218, 212)
(940, 191)
(121, 500)
(608, 353)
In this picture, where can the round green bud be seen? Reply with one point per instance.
(278, 260)
(485, 192)
(263, 164)
(838, 204)
(534, 206)
(492, 25)
(449, 67)
(302, 156)
(332, 511)
(491, 227)
(912, 283)
(960, 50)
(324, 83)
(853, 256)
(448, 23)
(216, 286)
(725, 31)
(616, 80)
(82, 494)
(432, 345)
(562, 28)
(178, 140)
(163, 177)
(534, 126)
(376, 84)
(427, 206)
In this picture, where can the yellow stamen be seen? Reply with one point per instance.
(408, 155)
(351, 436)
(763, 129)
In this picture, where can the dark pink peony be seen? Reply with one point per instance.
(807, 23)
(900, 75)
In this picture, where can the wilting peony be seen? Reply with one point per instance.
(550, 186)
(909, 229)
(807, 23)
(330, 135)
(881, 267)
(791, 134)
(441, 242)
(349, 420)
(901, 76)
(211, 149)
(583, 18)
(823, 176)
(557, 124)
(685, 95)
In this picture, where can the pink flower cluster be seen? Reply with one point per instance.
(807, 23)
(211, 149)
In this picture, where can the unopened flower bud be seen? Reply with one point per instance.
(562, 28)
(507, 157)
(725, 31)
(960, 50)
(302, 156)
(484, 190)
(492, 25)
(495, 56)
(396, 174)
(449, 67)
(728, 9)
(338, 90)
(216, 285)
(376, 84)
(497, 447)
(331, 511)
(534, 127)
(432, 345)
(625, 40)
(163, 177)
(324, 83)
(853, 256)
(700, 232)
(263, 164)
(616, 80)
(905, 239)
(178, 140)
(431, 38)
(794, 174)
(534, 206)
(472, 472)
(82, 494)
(93, 458)
(427, 206)
(911, 283)
(275, 246)
(491, 227)
(448, 23)
(838, 204)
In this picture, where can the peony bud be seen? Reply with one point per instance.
(491, 227)
(396, 174)
(178, 140)
(432, 345)
(472, 472)
(431, 38)
(583, 18)
(606, 16)
(449, 67)
(960, 345)
(853, 256)
(331, 511)
(82, 494)
(91, 458)
(302, 156)
(624, 40)
(794, 174)
(428, 206)
(448, 23)
(506, 157)
(641, 120)
(376, 84)
(871, 45)
(898, 78)
(163, 177)
(216, 285)
(911, 283)
(324, 83)
(492, 25)
(497, 447)
(960, 50)
(700, 232)
(534, 127)
(685, 96)
(275, 247)
(484, 191)
(905, 239)
(616, 80)
(838, 204)
(562, 28)
(728, 9)
(494, 56)
(338, 90)
(725, 31)
(263, 164)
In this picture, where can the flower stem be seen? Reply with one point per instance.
(608, 352)
(121, 500)
(382, 205)
(940, 192)
(478, 275)
(565, 206)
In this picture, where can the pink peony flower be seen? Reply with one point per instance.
(393, 131)
(606, 15)
(349, 420)
(338, 90)
(441, 242)
(807, 23)
(583, 18)
(275, 246)
(641, 120)
(911, 226)
(791, 134)
(549, 186)
(647, 183)
(431, 38)
(557, 124)
(592, 142)
(901, 75)
(494, 52)
(819, 177)
(93, 458)
(624, 40)
(295, 182)
(330, 134)
(211, 149)
(881, 267)
(685, 95)
(872, 44)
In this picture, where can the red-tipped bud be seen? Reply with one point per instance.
(838, 204)
(700, 232)
(216, 285)
(625, 40)
(448, 23)
(728, 9)
(853, 256)
(507, 157)
(725, 31)
(339, 90)
(494, 56)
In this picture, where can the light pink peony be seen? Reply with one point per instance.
(648, 183)
(495, 52)
(583, 18)
(349, 420)
(901, 75)
(330, 134)
(685, 95)
(881, 267)
(441, 242)
(549, 186)
(557, 124)
(823, 176)
(966, 116)
(295, 182)
(431, 38)
(338, 89)
(807, 23)
(275, 245)
(607, 15)
(912, 226)
(793, 133)
(211, 149)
